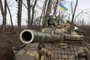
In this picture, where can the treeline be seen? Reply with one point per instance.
(49, 7)
(48, 4)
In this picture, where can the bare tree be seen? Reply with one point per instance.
(44, 9)
(48, 11)
(33, 11)
(19, 14)
(74, 11)
(78, 14)
(30, 8)
(10, 16)
(4, 13)
(55, 8)
(29, 12)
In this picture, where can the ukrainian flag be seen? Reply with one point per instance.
(62, 7)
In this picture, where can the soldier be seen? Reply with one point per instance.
(52, 21)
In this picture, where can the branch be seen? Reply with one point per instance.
(74, 10)
(78, 14)
(24, 5)
(10, 15)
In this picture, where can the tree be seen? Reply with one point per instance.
(33, 11)
(74, 11)
(43, 10)
(4, 13)
(19, 14)
(10, 16)
(29, 13)
(55, 8)
(48, 11)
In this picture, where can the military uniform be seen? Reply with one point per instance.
(52, 21)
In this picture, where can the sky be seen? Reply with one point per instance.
(82, 5)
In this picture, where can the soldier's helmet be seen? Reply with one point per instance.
(51, 21)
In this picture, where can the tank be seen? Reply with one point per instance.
(55, 44)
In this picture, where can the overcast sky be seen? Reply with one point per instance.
(82, 4)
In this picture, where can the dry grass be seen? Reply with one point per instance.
(87, 31)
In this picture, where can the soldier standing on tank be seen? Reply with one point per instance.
(52, 23)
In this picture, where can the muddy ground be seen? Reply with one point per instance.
(8, 40)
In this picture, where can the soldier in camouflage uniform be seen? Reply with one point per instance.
(52, 23)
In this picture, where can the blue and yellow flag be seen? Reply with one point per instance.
(62, 7)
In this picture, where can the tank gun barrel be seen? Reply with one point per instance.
(30, 36)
